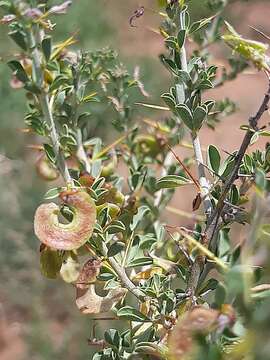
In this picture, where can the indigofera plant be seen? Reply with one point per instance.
(72, 235)
(194, 289)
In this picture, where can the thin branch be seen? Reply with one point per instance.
(120, 271)
(195, 181)
(43, 98)
(185, 214)
(214, 223)
(253, 123)
(205, 186)
(199, 261)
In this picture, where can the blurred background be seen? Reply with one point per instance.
(38, 317)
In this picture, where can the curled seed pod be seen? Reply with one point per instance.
(46, 170)
(199, 320)
(150, 145)
(109, 169)
(69, 236)
(87, 300)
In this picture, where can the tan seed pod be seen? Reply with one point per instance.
(199, 320)
(69, 236)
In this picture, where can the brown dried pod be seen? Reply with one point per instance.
(69, 236)
(199, 320)
(91, 303)
(87, 300)
(88, 274)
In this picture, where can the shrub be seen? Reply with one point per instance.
(179, 292)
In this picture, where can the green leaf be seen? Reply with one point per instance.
(184, 76)
(181, 36)
(209, 105)
(50, 263)
(185, 17)
(171, 42)
(139, 216)
(112, 337)
(140, 262)
(33, 88)
(171, 182)
(220, 294)
(116, 227)
(264, 133)
(169, 100)
(185, 115)
(115, 249)
(211, 284)
(181, 96)
(198, 25)
(198, 117)
(205, 85)
(47, 47)
(254, 138)
(53, 193)
(234, 195)
(213, 158)
(68, 141)
(5, 4)
(170, 65)
(260, 180)
(261, 295)
(50, 153)
(59, 81)
(98, 183)
(20, 73)
(131, 314)
(19, 37)
(235, 279)
(227, 167)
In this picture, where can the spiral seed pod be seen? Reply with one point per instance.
(69, 236)
(198, 321)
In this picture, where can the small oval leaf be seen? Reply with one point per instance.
(171, 182)
(213, 159)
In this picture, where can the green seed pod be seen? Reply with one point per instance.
(46, 170)
(113, 196)
(113, 210)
